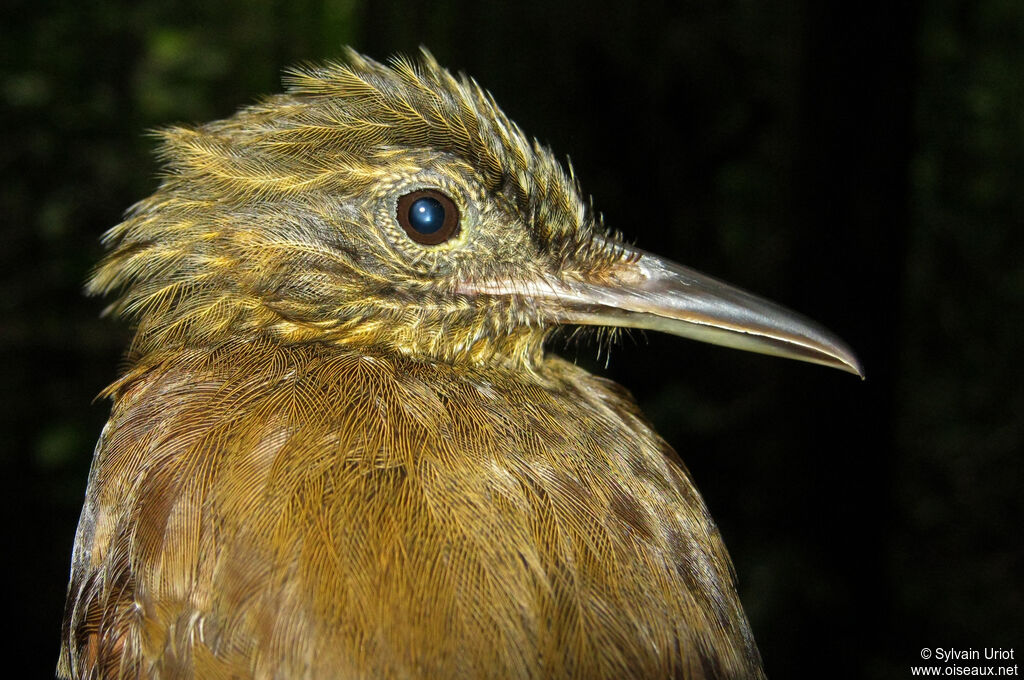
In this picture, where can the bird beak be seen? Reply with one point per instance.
(642, 290)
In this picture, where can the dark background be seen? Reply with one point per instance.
(860, 162)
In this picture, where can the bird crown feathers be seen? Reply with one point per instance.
(188, 260)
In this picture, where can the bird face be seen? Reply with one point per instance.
(396, 206)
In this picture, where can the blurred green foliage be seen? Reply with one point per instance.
(862, 163)
(961, 402)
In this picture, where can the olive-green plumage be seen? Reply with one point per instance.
(340, 453)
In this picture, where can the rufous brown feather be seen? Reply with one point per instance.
(340, 450)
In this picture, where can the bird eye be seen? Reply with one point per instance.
(428, 216)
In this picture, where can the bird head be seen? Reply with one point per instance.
(396, 207)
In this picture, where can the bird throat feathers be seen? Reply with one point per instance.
(279, 222)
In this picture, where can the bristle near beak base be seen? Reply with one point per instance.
(645, 291)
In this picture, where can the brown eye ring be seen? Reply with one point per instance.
(428, 216)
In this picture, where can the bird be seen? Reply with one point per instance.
(340, 446)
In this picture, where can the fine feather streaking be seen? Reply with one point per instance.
(339, 449)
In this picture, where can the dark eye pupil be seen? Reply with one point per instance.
(426, 215)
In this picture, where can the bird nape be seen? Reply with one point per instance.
(339, 449)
